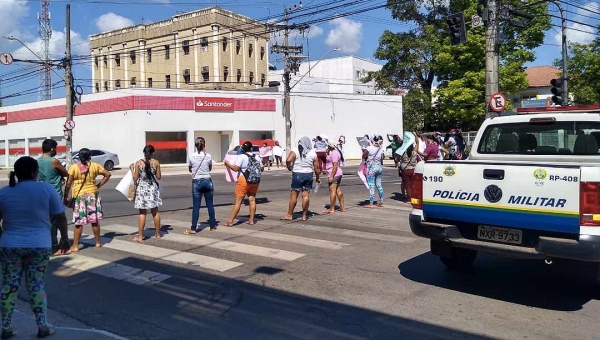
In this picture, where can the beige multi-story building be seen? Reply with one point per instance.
(210, 48)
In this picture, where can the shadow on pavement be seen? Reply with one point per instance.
(562, 286)
(195, 305)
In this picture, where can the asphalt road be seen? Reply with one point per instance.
(355, 275)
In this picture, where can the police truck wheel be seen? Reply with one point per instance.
(109, 165)
(460, 260)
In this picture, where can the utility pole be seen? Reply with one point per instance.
(69, 86)
(286, 50)
(492, 55)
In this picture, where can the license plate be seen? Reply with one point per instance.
(504, 235)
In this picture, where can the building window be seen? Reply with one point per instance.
(205, 73)
(132, 57)
(168, 81)
(105, 59)
(167, 52)
(118, 60)
(238, 46)
(357, 74)
(186, 76)
(149, 82)
(262, 79)
(149, 53)
(97, 87)
(133, 81)
(118, 84)
(225, 72)
(186, 47)
(105, 86)
(96, 61)
(204, 44)
(225, 44)
(262, 53)
(250, 49)
(239, 75)
(251, 77)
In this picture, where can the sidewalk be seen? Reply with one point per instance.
(175, 170)
(66, 327)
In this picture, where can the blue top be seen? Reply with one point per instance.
(25, 211)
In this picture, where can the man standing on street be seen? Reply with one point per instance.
(52, 172)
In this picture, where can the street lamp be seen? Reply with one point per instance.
(46, 63)
(311, 67)
(67, 78)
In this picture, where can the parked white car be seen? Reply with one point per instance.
(105, 158)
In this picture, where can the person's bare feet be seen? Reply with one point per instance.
(99, 245)
(326, 212)
(74, 249)
(370, 206)
(251, 222)
(157, 236)
(228, 224)
(342, 210)
(286, 218)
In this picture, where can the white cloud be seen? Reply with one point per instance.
(577, 32)
(162, 1)
(13, 12)
(111, 21)
(313, 32)
(345, 34)
(79, 46)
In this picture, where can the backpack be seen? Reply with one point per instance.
(253, 172)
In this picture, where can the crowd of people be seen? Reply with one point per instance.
(33, 205)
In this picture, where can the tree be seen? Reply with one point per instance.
(422, 56)
(583, 65)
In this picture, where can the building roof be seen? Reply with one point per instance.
(540, 76)
(179, 16)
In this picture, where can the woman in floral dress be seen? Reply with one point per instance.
(87, 207)
(146, 174)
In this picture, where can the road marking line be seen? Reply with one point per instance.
(163, 253)
(111, 270)
(269, 236)
(346, 232)
(214, 243)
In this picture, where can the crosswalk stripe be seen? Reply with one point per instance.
(214, 243)
(163, 253)
(269, 236)
(347, 232)
(108, 269)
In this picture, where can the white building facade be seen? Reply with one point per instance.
(334, 75)
(124, 121)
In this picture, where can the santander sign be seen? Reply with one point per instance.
(213, 104)
(3, 118)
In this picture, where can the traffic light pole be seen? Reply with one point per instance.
(492, 58)
(69, 86)
(565, 76)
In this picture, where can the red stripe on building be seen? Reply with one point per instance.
(164, 145)
(246, 104)
(132, 103)
(33, 150)
(163, 103)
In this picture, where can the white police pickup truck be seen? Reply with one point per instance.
(530, 189)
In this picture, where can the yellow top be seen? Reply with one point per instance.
(89, 187)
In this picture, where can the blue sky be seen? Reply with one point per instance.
(356, 35)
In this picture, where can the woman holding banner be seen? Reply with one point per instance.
(146, 174)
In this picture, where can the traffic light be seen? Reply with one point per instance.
(557, 91)
(458, 31)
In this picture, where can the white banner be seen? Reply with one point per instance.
(126, 186)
